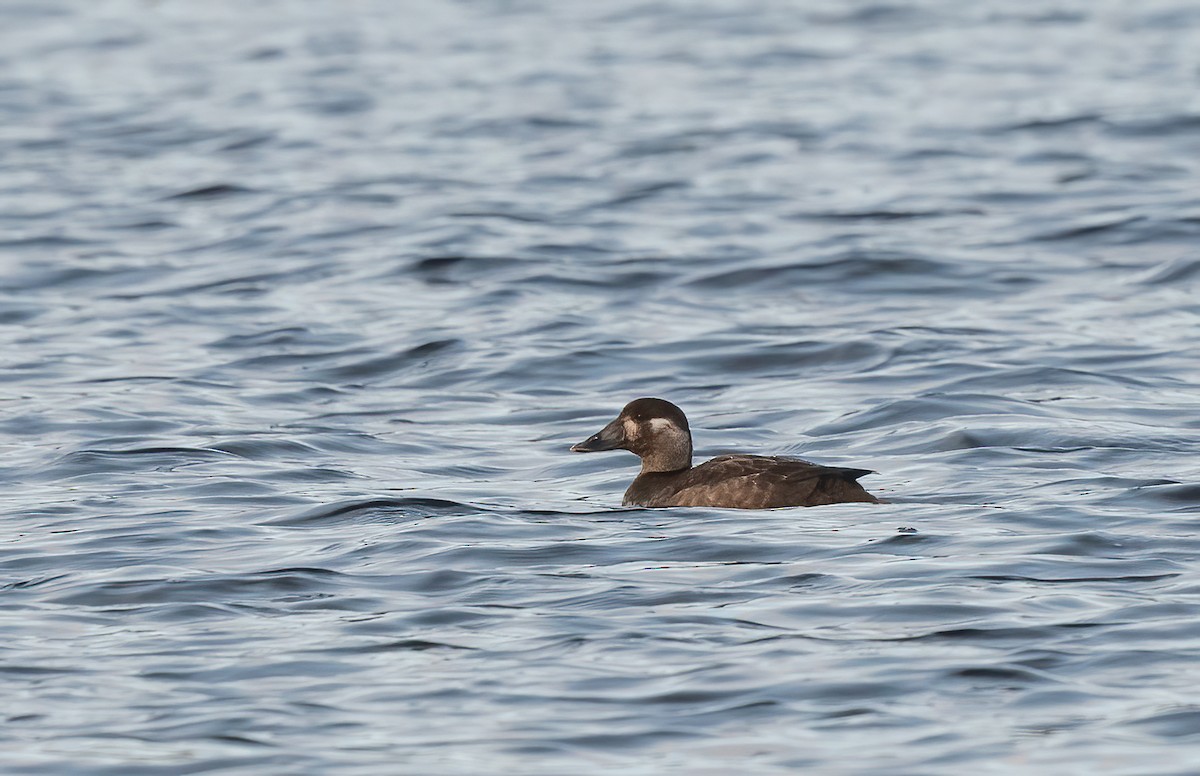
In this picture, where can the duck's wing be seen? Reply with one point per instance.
(783, 467)
(763, 482)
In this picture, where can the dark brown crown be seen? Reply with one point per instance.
(647, 409)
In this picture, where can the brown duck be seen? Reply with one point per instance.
(657, 432)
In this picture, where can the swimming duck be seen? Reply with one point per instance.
(657, 432)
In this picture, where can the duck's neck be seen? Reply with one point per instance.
(668, 455)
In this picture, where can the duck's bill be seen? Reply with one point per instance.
(610, 437)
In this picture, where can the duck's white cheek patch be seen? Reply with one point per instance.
(661, 424)
(630, 429)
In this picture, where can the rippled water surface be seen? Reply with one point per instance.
(304, 302)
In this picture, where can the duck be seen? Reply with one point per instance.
(657, 431)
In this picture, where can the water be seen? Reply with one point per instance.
(303, 304)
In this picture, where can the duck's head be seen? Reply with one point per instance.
(653, 429)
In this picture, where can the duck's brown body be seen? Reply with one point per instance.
(657, 431)
(749, 482)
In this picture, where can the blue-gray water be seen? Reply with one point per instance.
(304, 302)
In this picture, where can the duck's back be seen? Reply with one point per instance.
(750, 482)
